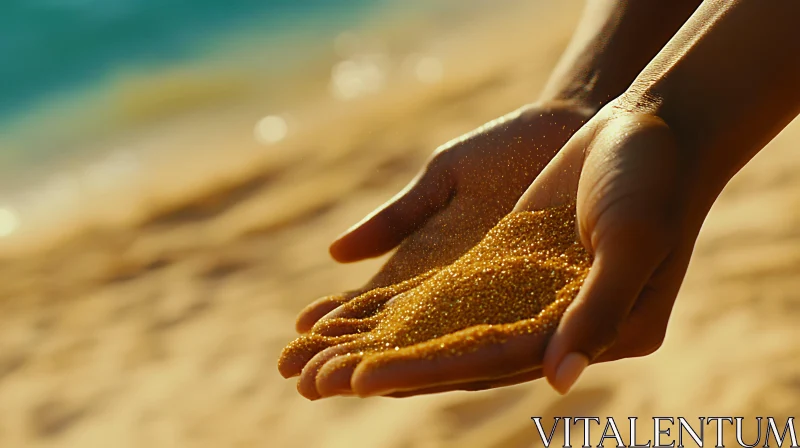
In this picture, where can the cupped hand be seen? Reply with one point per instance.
(466, 187)
(639, 209)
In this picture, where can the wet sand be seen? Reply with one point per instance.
(161, 326)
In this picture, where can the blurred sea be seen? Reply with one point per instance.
(105, 105)
(47, 46)
(57, 52)
(86, 84)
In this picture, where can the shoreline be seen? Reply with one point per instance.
(149, 125)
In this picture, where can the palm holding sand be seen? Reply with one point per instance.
(623, 200)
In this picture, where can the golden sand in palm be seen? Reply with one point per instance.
(518, 279)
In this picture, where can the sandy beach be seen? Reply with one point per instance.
(153, 313)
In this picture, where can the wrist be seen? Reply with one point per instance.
(614, 41)
(703, 171)
(708, 145)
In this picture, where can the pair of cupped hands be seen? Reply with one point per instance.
(626, 174)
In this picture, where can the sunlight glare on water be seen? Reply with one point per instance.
(358, 76)
(271, 129)
(118, 166)
(429, 70)
(8, 222)
(426, 69)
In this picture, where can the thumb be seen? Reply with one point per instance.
(624, 261)
(626, 201)
(387, 226)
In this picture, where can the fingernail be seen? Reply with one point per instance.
(569, 370)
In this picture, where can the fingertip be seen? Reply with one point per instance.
(388, 225)
(296, 356)
(363, 239)
(367, 239)
(307, 383)
(549, 370)
(362, 382)
(334, 377)
(316, 310)
(307, 389)
(557, 348)
(568, 371)
(342, 250)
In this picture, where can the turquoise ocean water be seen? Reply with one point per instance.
(59, 57)
(48, 47)
(88, 86)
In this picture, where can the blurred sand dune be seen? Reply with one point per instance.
(163, 328)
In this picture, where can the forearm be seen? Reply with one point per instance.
(726, 84)
(614, 41)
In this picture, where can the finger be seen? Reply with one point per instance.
(372, 301)
(477, 353)
(307, 383)
(636, 340)
(643, 331)
(646, 326)
(340, 327)
(297, 354)
(360, 304)
(390, 224)
(624, 261)
(383, 373)
(319, 308)
(334, 377)
(363, 306)
(474, 386)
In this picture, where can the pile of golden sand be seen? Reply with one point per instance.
(517, 281)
